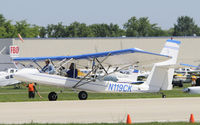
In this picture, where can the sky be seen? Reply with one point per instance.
(44, 12)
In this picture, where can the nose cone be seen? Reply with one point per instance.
(24, 74)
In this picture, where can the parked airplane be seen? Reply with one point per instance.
(160, 77)
(6, 78)
(193, 89)
(7, 69)
(187, 69)
(129, 75)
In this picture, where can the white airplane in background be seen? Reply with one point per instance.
(160, 77)
(8, 69)
(6, 78)
(129, 75)
(187, 69)
(193, 89)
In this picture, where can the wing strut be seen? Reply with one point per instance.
(94, 68)
(105, 75)
(61, 63)
(102, 66)
(118, 69)
(37, 64)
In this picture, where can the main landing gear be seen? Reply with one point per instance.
(82, 95)
(163, 95)
(52, 96)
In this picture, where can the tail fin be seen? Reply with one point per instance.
(161, 75)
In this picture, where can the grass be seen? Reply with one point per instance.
(11, 94)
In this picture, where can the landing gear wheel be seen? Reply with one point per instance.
(163, 95)
(82, 95)
(52, 96)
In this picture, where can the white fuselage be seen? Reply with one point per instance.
(33, 75)
(193, 90)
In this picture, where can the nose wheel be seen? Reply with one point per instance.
(82, 95)
(52, 96)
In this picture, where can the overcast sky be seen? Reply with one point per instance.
(44, 12)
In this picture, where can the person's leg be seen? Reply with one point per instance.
(32, 95)
(29, 94)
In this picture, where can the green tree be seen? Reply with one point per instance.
(56, 30)
(99, 30)
(27, 30)
(185, 27)
(2, 32)
(7, 30)
(131, 27)
(115, 31)
(10, 29)
(2, 20)
(43, 32)
(77, 29)
(143, 27)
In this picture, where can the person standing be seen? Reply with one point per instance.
(31, 91)
(194, 80)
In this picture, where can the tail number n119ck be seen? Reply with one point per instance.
(119, 87)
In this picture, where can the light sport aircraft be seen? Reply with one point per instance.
(160, 77)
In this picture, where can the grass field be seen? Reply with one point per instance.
(11, 94)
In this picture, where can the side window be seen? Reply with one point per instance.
(12, 71)
(7, 77)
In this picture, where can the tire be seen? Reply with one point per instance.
(52, 96)
(163, 96)
(82, 95)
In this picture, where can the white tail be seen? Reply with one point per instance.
(161, 75)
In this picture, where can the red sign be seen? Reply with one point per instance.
(14, 51)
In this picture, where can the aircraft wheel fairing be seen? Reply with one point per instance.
(52, 96)
(82, 95)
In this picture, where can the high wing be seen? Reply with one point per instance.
(188, 65)
(108, 58)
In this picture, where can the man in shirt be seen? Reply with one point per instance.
(48, 68)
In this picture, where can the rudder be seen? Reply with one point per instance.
(161, 75)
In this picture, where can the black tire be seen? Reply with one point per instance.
(163, 96)
(82, 95)
(52, 96)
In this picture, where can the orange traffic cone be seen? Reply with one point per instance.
(191, 118)
(128, 121)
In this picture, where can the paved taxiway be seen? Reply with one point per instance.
(109, 111)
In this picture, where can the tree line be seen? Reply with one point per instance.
(134, 27)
